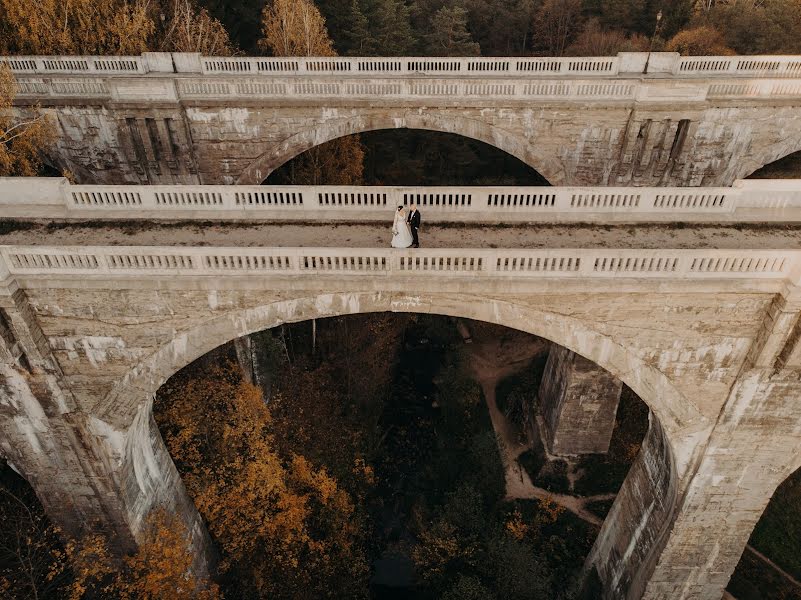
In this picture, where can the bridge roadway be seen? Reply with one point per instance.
(100, 305)
(373, 235)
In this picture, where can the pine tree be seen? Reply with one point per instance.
(392, 28)
(356, 37)
(449, 35)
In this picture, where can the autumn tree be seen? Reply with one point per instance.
(699, 41)
(75, 27)
(187, 28)
(23, 137)
(449, 34)
(296, 28)
(758, 27)
(31, 551)
(160, 568)
(556, 24)
(594, 40)
(293, 516)
(109, 27)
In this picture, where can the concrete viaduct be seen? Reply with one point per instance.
(92, 323)
(635, 119)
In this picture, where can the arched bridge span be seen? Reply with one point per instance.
(184, 118)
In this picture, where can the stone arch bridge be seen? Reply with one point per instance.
(632, 119)
(91, 325)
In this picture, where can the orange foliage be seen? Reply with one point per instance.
(161, 567)
(294, 517)
(296, 28)
(699, 41)
(22, 140)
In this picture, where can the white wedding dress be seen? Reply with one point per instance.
(401, 233)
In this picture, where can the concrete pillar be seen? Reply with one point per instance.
(633, 530)
(754, 447)
(578, 401)
(86, 474)
(681, 538)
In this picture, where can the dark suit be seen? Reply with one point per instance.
(414, 224)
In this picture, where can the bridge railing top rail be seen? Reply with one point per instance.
(753, 200)
(663, 63)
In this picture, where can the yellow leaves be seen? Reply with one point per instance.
(291, 515)
(24, 137)
(549, 509)
(295, 28)
(516, 527)
(110, 27)
(161, 567)
(361, 468)
(704, 40)
(438, 546)
(77, 26)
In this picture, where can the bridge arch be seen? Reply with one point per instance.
(678, 415)
(511, 143)
(647, 501)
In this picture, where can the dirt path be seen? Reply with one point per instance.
(491, 360)
(377, 235)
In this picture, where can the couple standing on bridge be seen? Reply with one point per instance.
(405, 226)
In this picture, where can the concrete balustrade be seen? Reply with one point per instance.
(749, 266)
(604, 66)
(244, 87)
(747, 200)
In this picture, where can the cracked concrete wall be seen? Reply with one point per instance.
(115, 341)
(711, 143)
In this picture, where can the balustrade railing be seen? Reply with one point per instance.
(604, 66)
(578, 263)
(751, 200)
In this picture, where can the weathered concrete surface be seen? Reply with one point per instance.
(578, 400)
(717, 366)
(585, 141)
(73, 460)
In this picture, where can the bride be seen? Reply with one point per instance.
(401, 234)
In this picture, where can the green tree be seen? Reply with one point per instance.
(502, 27)
(392, 28)
(356, 37)
(449, 34)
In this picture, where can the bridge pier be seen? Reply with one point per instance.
(578, 401)
(753, 448)
(87, 475)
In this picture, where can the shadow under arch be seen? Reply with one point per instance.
(769, 559)
(780, 165)
(632, 536)
(516, 145)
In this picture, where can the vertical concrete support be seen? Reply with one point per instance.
(86, 474)
(578, 401)
(632, 532)
(755, 445)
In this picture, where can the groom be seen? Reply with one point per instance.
(413, 220)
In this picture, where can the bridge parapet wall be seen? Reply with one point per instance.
(663, 63)
(719, 267)
(244, 87)
(753, 200)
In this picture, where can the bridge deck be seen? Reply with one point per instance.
(377, 235)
